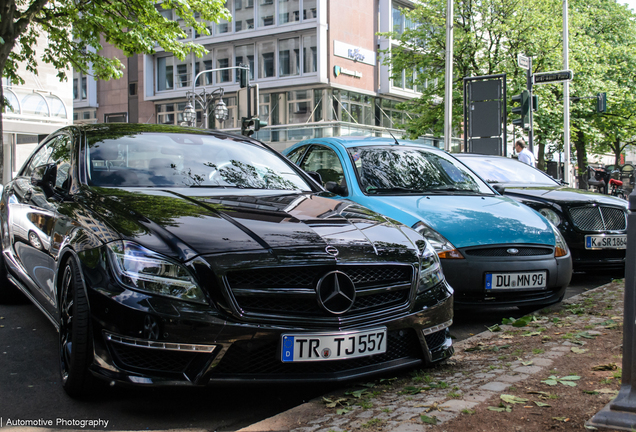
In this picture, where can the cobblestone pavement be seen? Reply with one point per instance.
(475, 382)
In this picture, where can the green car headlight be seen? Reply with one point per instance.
(144, 270)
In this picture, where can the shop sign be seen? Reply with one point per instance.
(357, 54)
(337, 70)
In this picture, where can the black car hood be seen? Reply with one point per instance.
(189, 222)
(562, 195)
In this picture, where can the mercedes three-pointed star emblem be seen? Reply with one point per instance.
(336, 292)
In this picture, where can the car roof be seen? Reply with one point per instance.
(119, 129)
(478, 155)
(365, 141)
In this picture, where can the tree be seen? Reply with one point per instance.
(76, 28)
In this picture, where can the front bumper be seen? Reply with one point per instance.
(468, 277)
(156, 341)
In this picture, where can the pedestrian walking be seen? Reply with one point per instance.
(523, 154)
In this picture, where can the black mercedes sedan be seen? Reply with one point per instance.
(594, 225)
(176, 256)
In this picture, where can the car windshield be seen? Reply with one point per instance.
(507, 170)
(406, 170)
(184, 160)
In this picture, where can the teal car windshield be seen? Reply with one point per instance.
(406, 170)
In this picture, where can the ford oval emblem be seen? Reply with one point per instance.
(512, 251)
(332, 251)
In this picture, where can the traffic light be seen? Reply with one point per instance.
(535, 102)
(251, 125)
(523, 109)
(601, 102)
(242, 77)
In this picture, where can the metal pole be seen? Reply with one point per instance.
(621, 412)
(194, 84)
(566, 98)
(448, 91)
(529, 86)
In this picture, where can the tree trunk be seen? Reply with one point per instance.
(541, 157)
(581, 160)
(617, 153)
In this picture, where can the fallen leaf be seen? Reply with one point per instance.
(579, 350)
(512, 399)
(506, 337)
(605, 367)
(542, 404)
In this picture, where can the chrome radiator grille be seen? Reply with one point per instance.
(595, 218)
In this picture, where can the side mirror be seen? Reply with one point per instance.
(44, 176)
(315, 176)
(499, 188)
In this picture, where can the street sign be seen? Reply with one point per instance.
(551, 77)
(523, 61)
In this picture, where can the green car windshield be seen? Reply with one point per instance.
(410, 170)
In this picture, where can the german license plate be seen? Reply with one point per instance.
(523, 280)
(606, 241)
(302, 347)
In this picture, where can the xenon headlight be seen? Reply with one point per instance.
(561, 247)
(144, 270)
(430, 269)
(550, 215)
(443, 247)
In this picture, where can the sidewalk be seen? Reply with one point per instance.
(553, 373)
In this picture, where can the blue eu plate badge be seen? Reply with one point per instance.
(288, 348)
(489, 281)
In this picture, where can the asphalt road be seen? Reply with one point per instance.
(30, 388)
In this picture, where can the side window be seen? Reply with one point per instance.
(296, 154)
(61, 155)
(325, 162)
(40, 157)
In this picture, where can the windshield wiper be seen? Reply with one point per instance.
(449, 188)
(372, 190)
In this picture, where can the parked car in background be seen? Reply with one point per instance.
(594, 225)
(494, 251)
(176, 256)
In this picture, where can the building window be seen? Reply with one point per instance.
(310, 54)
(116, 118)
(172, 113)
(132, 89)
(309, 10)
(266, 52)
(288, 11)
(223, 57)
(266, 11)
(244, 54)
(80, 86)
(203, 64)
(165, 75)
(243, 15)
(356, 108)
(299, 106)
(289, 57)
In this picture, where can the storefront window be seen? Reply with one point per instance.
(266, 51)
(289, 57)
(299, 106)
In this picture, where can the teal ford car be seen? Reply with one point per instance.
(494, 251)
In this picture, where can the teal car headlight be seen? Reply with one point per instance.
(550, 215)
(561, 247)
(430, 269)
(443, 247)
(144, 270)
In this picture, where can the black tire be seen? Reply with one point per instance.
(621, 195)
(76, 347)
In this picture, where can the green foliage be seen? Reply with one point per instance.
(566, 380)
(488, 36)
(76, 30)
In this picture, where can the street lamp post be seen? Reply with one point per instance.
(207, 99)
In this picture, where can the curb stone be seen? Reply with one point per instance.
(402, 415)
